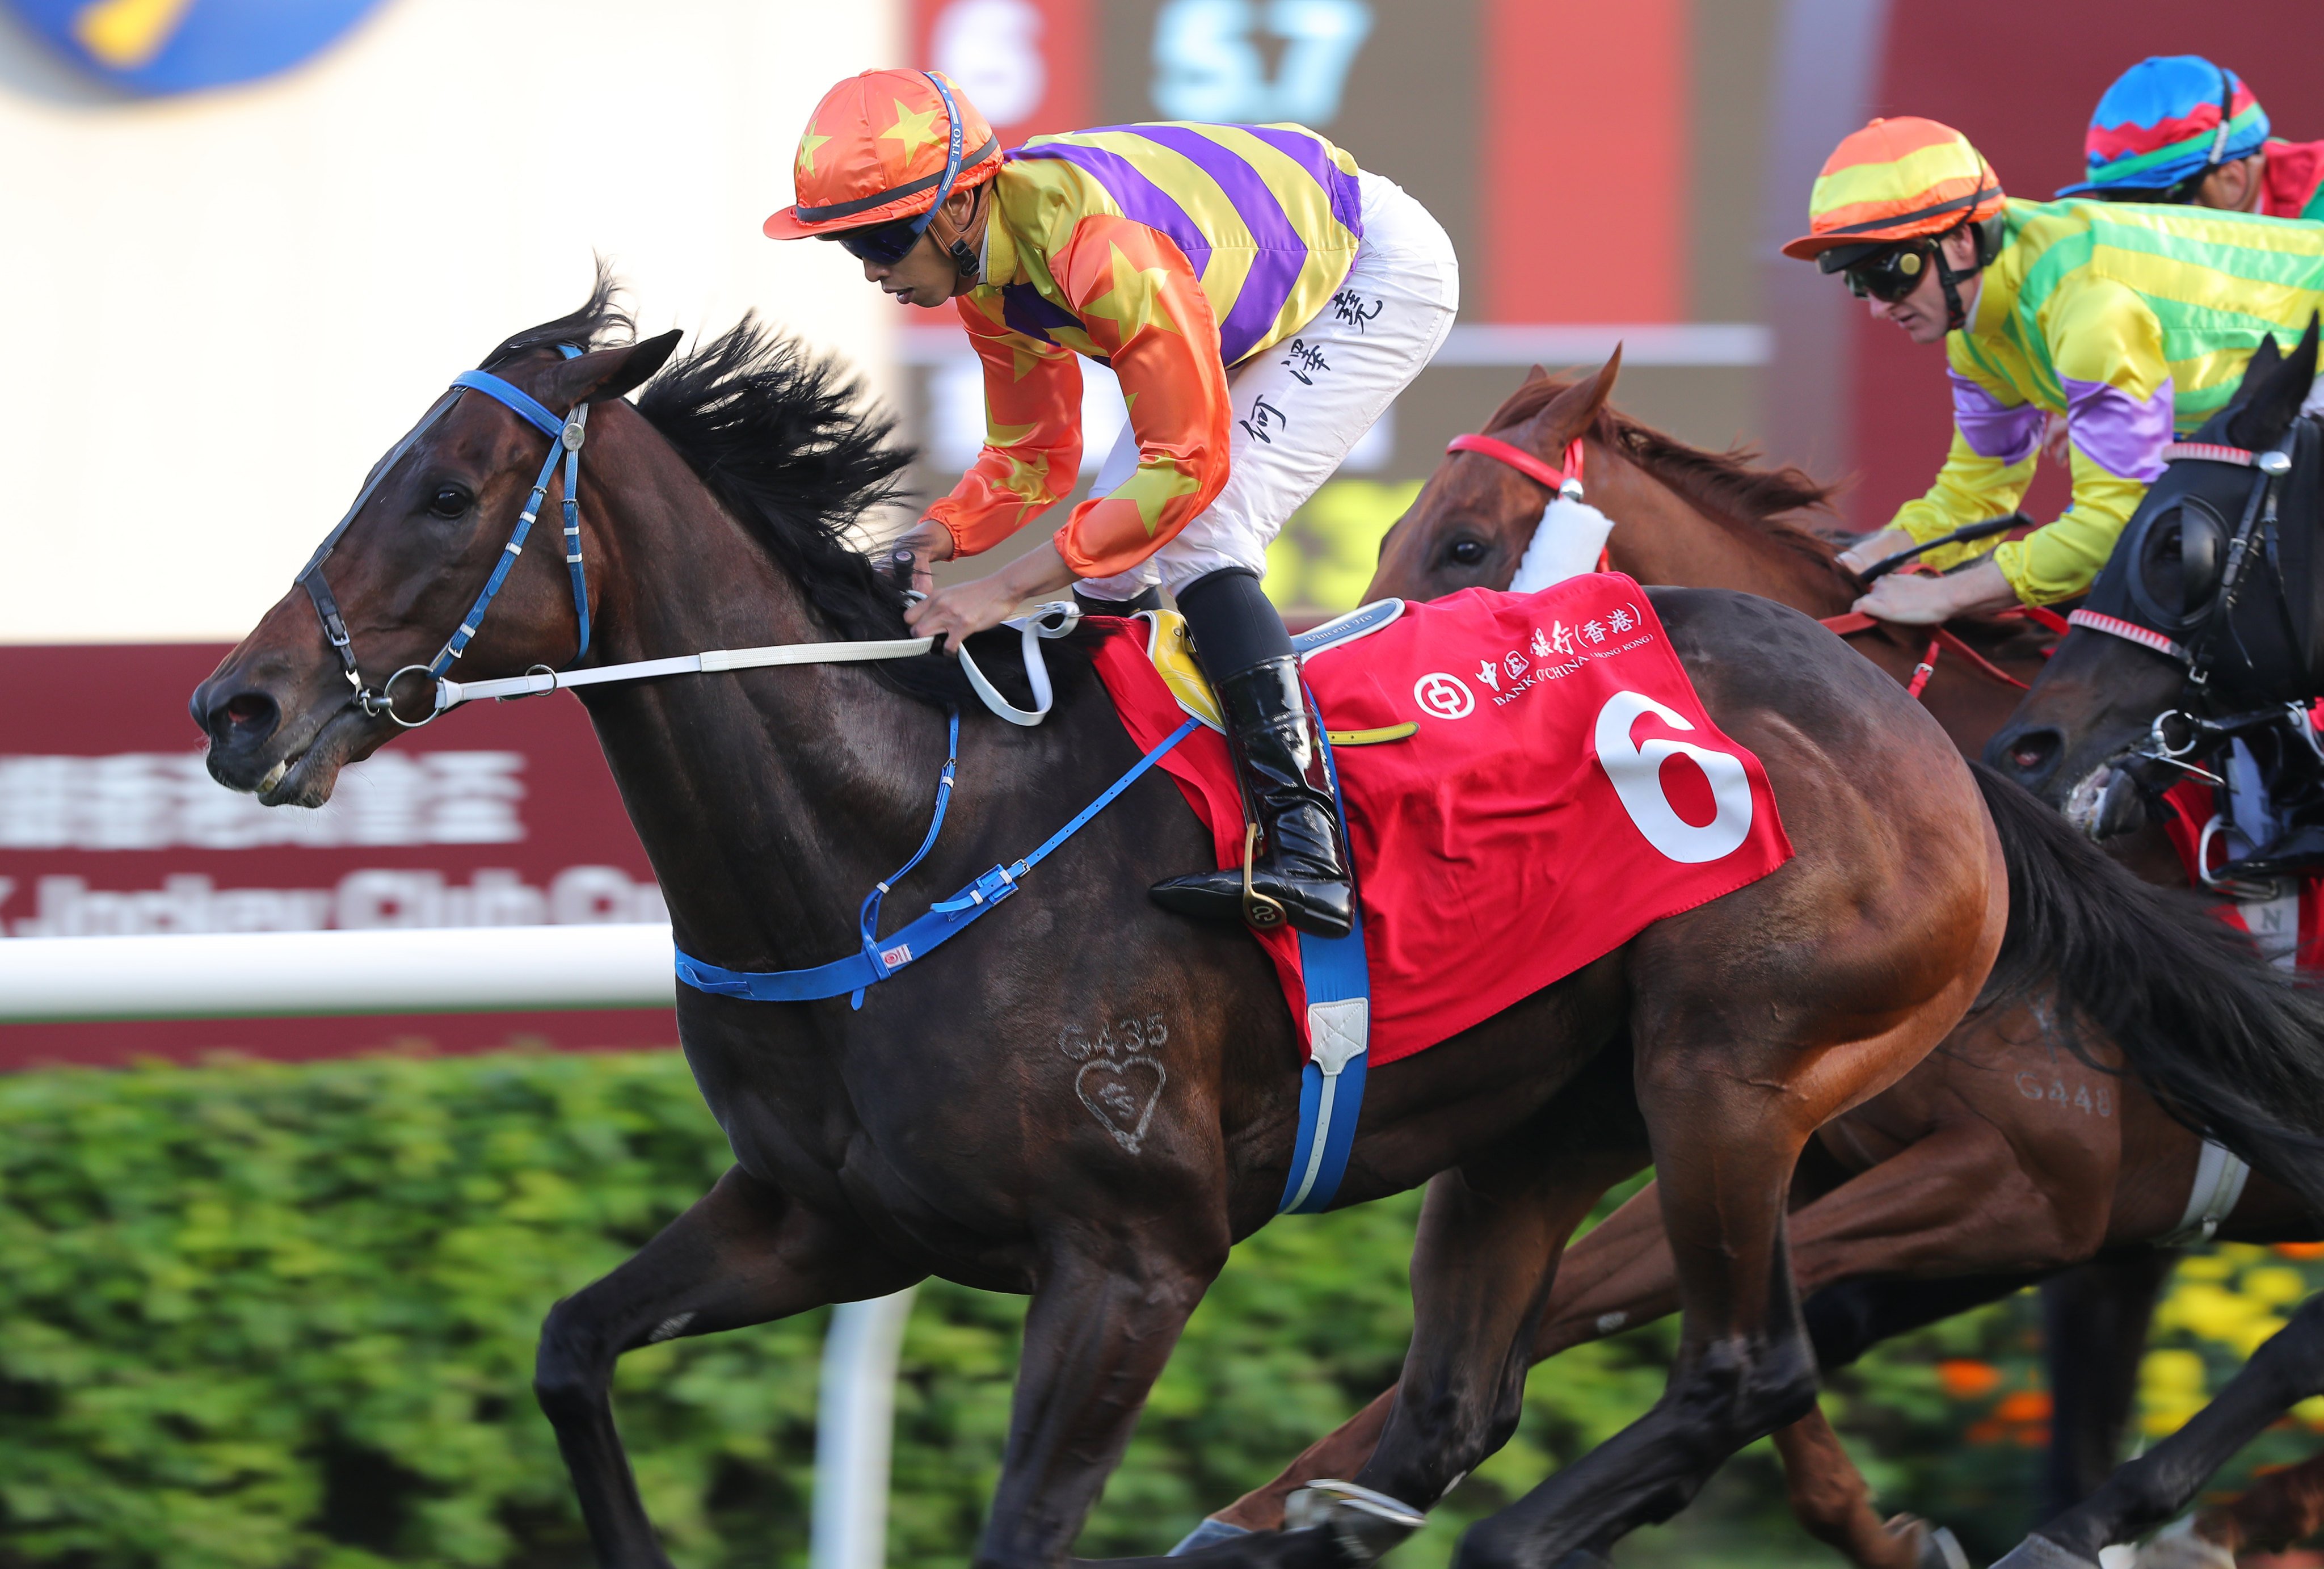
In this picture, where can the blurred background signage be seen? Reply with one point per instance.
(177, 46)
(292, 263)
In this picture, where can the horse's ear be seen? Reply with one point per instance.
(609, 373)
(2275, 384)
(1574, 409)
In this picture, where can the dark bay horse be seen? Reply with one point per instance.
(1956, 1174)
(2206, 613)
(938, 1130)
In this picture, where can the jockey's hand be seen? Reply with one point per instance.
(929, 542)
(1873, 547)
(960, 611)
(1912, 599)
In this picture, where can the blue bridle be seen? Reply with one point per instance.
(565, 437)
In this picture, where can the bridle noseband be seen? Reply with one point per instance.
(564, 439)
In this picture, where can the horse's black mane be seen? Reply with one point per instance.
(780, 435)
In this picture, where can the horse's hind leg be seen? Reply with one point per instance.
(2155, 1487)
(743, 1254)
(1729, 1122)
(1831, 1499)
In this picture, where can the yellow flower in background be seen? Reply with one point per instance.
(2171, 1389)
(1326, 554)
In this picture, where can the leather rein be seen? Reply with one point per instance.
(1567, 482)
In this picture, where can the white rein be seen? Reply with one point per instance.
(1054, 620)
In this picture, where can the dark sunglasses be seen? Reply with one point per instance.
(885, 244)
(1889, 276)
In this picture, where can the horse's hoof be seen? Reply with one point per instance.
(1209, 1534)
(1364, 1524)
(2038, 1552)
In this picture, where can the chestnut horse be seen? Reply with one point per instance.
(937, 1130)
(1999, 1158)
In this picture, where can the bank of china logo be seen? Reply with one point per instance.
(1445, 697)
(182, 46)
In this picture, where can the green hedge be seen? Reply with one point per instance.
(255, 1316)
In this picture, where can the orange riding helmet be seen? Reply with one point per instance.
(886, 147)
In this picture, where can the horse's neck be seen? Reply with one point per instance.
(769, 803)
(1661, 537)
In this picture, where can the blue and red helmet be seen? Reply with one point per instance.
(2167, 120)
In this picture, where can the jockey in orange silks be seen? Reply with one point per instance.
(1262, 300)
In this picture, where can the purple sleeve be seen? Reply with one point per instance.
(2119, 434)
(1992, 428)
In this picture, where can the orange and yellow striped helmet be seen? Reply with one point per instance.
(1897, 179)
(875, 150)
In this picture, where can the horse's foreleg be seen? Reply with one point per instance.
(2155, 1487)
(743, 1254)
(1103, 1319)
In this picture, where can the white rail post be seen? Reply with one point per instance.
(854, 1432)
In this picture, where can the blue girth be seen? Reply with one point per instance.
(1338, 984)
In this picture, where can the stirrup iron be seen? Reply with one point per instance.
(1263, 911)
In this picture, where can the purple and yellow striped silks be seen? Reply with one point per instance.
(1168, 252)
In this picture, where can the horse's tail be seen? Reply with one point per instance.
(2224, 1040)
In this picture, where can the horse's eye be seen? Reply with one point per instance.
(1465, 552)
(448, 502)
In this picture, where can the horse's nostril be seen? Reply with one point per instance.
(245, 719)
(2033, 751)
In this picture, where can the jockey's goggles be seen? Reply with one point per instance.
(1889, 275)
(882, 244)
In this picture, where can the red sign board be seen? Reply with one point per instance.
(501, 813)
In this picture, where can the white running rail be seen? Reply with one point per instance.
(248, 976)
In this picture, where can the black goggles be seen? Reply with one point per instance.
(885, 244)
(1890, 276)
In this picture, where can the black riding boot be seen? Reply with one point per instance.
(1297, 869)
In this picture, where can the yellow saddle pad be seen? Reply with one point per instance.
(1172, 648)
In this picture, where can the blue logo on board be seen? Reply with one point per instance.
(179, 46)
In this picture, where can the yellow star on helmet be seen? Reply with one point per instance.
(1135, 301)
(914, 131)
(807, 144)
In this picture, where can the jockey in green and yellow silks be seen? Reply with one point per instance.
(2132, 321)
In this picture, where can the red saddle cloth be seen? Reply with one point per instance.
(2288, 929)
(1564, 790)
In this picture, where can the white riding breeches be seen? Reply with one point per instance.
(1300, 405)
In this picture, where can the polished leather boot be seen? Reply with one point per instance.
(1293, 869)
